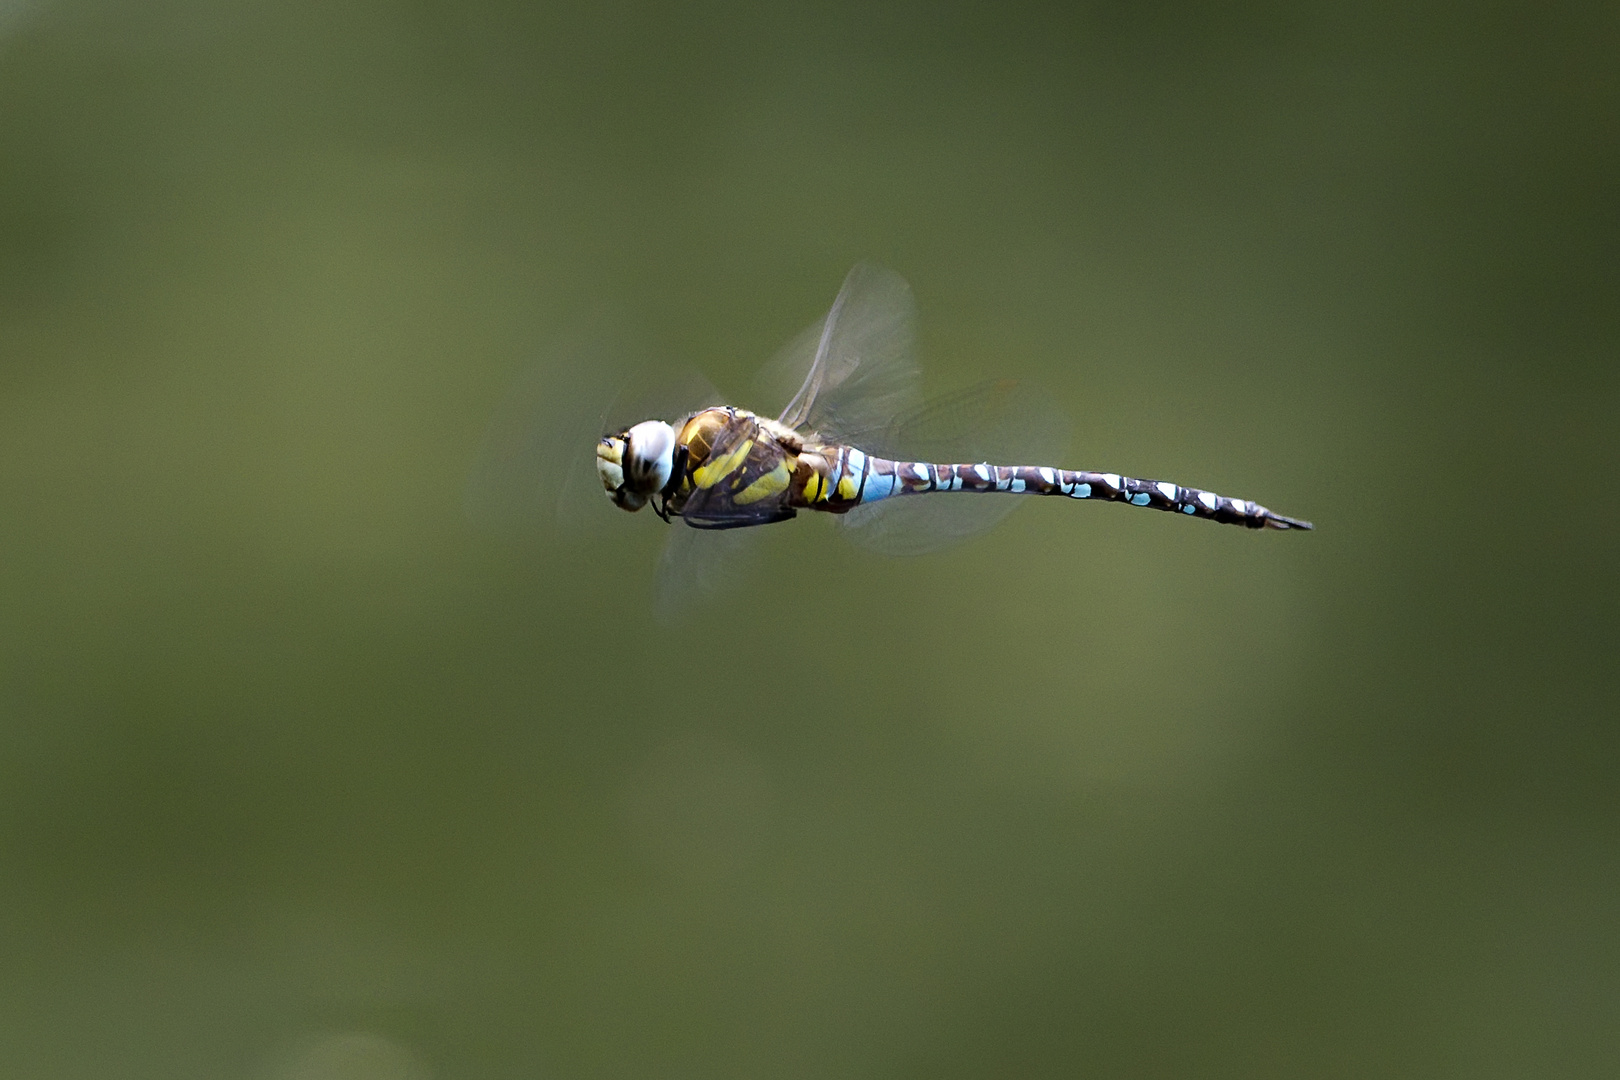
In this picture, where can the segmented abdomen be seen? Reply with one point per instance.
(858, 478)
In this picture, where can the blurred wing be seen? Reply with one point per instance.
(698, 567)
(536, 469)
(1002, 422)
(745, 480)
(855, 370)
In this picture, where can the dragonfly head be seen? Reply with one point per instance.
(636, 463)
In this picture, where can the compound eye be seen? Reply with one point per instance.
(649, 456)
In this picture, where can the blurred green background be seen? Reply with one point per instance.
(304, 778)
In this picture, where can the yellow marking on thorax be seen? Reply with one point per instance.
(766, 486)
(815, 486)
(715, 471)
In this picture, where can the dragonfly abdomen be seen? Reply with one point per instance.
(870, 479)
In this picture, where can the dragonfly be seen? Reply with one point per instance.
(850, 440)
(835, 447)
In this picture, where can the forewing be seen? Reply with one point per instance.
(536, 469)
(711, 547)
(1002, 422)
(701, 566)
(855, 370)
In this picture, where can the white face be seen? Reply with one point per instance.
(636, 464)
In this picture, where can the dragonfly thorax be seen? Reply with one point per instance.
(636, 464)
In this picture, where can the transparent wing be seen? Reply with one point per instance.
(698, 567)
(854, 371)
(711, 549)
(536, 469)
(1003, 422)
